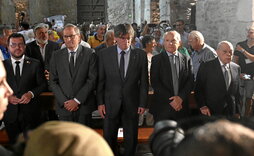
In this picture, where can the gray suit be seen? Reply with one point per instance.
(80, 86)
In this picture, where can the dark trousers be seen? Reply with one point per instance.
(84, 119)
(21, 126)
(130, 132)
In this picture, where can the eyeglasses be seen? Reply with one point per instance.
(69, 36)
(14, 45)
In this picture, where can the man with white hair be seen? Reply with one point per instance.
(201, 51)
(217, 84)
(172, 80)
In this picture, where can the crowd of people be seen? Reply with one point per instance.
(112, 68)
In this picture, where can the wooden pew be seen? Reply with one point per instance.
(143, 135)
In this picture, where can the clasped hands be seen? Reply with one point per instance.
(176, 103)
(25, 99)
(71, 105)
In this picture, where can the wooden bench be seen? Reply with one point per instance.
(143, 135)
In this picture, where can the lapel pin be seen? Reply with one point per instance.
(28, 62)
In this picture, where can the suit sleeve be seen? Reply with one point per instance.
(101, 81)
(54, 81)
(90, 83)
(40, 81)
(200, 86)
(143, 91)
(188, 83)
(237, 96)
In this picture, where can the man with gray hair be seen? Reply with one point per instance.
(217, 84)
(73, 75)
(172, 80)
(109, 40)
(201, 51)
(42, 48)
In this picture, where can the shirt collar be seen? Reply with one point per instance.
(169, 53)
(75, 50)
(39, 44)
(222, 64)
(120, 50)
(21, 59)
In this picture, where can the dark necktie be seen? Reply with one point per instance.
(17, 72)
(72, 64)
(174, 73)
(226, 76)
(122, 68)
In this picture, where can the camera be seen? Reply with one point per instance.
(166, 136)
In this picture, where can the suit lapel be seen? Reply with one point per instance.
(181, 66)
(168, 73)
(233, 74)
(79, 58)
(221, 75)
(11, 76)
(114, 61)
(65, 62)
(132, 60)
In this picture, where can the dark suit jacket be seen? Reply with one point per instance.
(81, 86)
(162, 83)
(115, 93)
(211, 88)
(32, 79)
(33, 50)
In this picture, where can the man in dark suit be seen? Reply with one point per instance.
(217, 89)
(73, 75)
(122, 88)
(25, 77)
(42, 48)
(172, 80)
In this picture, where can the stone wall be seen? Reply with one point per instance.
(120, 11)
(40, 9)
(66, 7)
(7, 12)
(228, 22)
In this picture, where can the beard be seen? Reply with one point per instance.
(42, 41)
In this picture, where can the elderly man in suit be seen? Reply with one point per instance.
(42, 48)
(172, 80)
(73, 75)
(122, 88)
(217, 87)
(25, 77)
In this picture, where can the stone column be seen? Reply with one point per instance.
(164, 10)
(38, 10)
(228, 22)
(147, 11)
(138, 11)
(120, 11)
(7, 8)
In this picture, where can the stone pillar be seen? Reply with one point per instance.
(138, 11)
(7, 10)
(228, 22)
(38, 10)
(147, 11)
(120, 11)
(164, 10)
